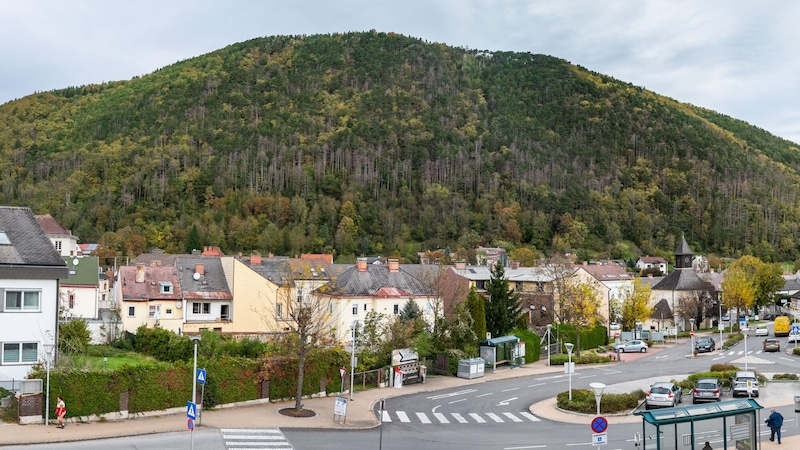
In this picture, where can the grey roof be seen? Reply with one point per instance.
(285, 270)
(29, 245)
(211, 283)
(683, 247)
(375, 278)
(661, 310)
(685, 279)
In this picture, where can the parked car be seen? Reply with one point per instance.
(663, 395)
(635, 345)
(772, 345)
(793, 337)
(762, 330)
(706, 390)
(614, 326)
(705, 344)
(745, 382)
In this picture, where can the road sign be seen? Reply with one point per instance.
(191, 410)
(201, 376)
(599, 439)
(795, 329)
(190, 424)
(342, 371)
(340, 406)
(599, 424)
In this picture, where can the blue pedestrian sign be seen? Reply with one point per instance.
(795, 329)
(201, 376)
(191, 410)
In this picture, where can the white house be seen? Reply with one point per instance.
(64, 242)
(30, 270)
(652, 262)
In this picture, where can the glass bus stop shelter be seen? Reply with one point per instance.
(731, 425)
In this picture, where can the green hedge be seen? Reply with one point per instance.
(585, 358)
(590, 338)
(533, 344)
(164, 385)
(583, 401)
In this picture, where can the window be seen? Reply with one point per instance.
(71, 300)
(131, 311)
(365, 307)
(4, 240)
(480, 284)
(279, 311)
(22, 301)
(201, 308)
(58, 245)
(165, 287)
(396, 309)
(224, 312)
(355, 309)
(20, 352)
(154, 309)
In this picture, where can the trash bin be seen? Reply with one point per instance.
(797, 403)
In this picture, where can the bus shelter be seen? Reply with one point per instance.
(731, 424)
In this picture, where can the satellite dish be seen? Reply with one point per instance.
(178, 305)
(196, 276)
(75, 261)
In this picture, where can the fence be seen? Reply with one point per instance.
(23, 386)
(370, 378)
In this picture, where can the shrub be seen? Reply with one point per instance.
(585, 358)
(784, 376)
(583, 401)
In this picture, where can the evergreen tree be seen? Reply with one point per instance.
(502, 311)
(410, 312)
(194, 242)
(477, 309)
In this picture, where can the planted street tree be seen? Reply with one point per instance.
(503, 312)
(635, 304)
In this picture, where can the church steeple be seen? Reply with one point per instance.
(683, 255)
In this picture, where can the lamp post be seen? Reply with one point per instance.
(48, 348)
(744, 332)
(719, 324)
(598, 393)
(549, 327)
(353, 328)
(691, 334)
(569, 347)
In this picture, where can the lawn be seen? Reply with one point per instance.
(100, 357)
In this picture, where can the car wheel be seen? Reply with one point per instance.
(643, 350)
(621, 350)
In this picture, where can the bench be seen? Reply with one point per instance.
(411, 372)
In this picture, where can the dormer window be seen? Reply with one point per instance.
(4, 240)
(165, 287)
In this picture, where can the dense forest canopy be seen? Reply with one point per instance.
(376, 143)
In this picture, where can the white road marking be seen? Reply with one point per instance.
(403, 416)
(459, 417)
(512, 417)
(423, 418)
(530, 416)
(495, 417)
(441, 418)
(477, 418)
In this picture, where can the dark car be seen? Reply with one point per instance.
(706, 390)
(705, 344)
(772, 345)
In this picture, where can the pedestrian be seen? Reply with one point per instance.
(61, 411)
(774, 422)
(707, 446)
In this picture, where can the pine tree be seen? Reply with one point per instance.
(194, 242)
(503, 312)
(477, 309)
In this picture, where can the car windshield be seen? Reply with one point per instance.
(659, 390)
(706, 386)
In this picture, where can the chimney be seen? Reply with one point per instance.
(140, 273)
(585, 263)
(394, 265)
(461, 265)
(361, 264)
(255, 259)
(200, 268)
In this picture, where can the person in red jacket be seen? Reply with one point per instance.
(61, 411)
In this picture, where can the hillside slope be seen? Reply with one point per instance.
(365, 143)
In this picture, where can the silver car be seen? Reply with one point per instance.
(663, 395)
(706, 390)
(635, 345)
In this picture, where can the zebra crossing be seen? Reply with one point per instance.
(255, 438)
(458, 418)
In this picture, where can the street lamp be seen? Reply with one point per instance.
(48, 359)
(569, 347)
(744, 332)
(353, 328)
(691, 334)
(598, 393)
(549, 327)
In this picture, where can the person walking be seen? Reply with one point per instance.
(61, 412)
(707, 446)
(774, 422)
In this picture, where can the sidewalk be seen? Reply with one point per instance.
(359, 413)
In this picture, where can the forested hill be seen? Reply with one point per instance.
(375, 143)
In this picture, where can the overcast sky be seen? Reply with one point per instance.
(737, 57)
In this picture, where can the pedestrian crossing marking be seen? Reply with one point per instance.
(385, 417)
(251, 438)
(512, 417)
(423, 418)
(529, 416)
(441, 418)
(495, 417)
(459, 418)
(477, 418)
(402, 416)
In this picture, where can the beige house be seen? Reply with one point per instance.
(363, 288)
(611, 283)
(150, 296)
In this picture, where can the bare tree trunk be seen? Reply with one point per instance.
(301, 368)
